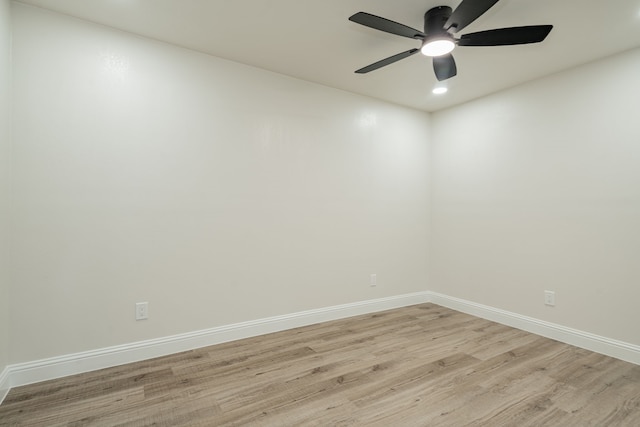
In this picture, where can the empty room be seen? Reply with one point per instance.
(322, 213)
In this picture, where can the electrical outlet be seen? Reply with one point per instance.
(373, 280)
(549, 298)
(142, 310)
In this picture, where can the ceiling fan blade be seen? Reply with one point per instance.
(383, 24)
(444, 67)
(467, 12)
(387, 61)
(506, 36)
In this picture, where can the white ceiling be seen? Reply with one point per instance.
(314, 41)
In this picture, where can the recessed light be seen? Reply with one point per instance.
(439, 90)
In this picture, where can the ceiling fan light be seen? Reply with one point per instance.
(437, 47)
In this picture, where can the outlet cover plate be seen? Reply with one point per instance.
(549, 298)
(142, 310)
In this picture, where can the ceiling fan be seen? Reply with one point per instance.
(440, 23)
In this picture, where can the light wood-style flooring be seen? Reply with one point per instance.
(422, 365)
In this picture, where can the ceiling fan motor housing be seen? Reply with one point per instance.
(434, 21)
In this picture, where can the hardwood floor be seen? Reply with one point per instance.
(423, 365)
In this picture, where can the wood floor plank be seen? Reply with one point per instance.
(422, 365)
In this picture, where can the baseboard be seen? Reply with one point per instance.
(58, 367)
(77, 363)
(610, 347)
(4, 383)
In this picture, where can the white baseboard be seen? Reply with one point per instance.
(58, 367)
(610, 347)
(4, 383)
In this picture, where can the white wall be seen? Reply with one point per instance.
(538, 188)
(5, 177)
(221, 193)
(215, 191)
